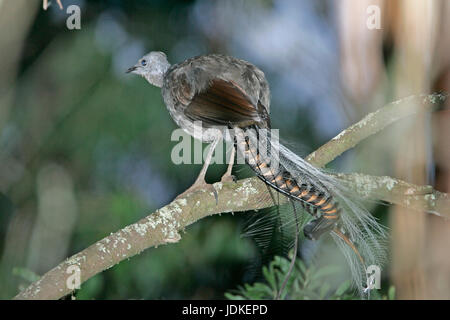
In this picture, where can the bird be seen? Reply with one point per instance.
(209, 95)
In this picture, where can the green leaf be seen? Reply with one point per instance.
(270, 277)
(323, 272)
(324, 290)
(391, 293)
(302, 267)
(343, 288)
(25, 274)
(305, 282)
(230, 296)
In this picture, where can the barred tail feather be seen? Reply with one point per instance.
(358, 224)
(357, 233)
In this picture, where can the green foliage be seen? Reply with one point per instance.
(305, 283)
(25, 274)
(391, 293)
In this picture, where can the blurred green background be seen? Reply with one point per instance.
(85, 149)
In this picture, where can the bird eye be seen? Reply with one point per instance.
(143, 62)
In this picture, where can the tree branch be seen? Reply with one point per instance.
(164, 225)
(372, 123)
(395, 191)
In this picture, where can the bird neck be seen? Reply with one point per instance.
(156, 76)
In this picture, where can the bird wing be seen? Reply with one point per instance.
(225, 103)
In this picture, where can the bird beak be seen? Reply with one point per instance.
(133, 68)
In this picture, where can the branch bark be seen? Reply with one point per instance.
(164, 225)
(372, 123)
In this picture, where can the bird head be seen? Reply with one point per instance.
(152, 67)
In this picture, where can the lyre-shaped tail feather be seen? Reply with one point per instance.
(344, 238)
(322, 195)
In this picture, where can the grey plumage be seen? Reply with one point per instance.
(183, 81)
(193, 76)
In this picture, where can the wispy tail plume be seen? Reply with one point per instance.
(333, 208)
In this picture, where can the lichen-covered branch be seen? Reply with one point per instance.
(158, 228)
(417, 198)
(372, 123)
(165, 225)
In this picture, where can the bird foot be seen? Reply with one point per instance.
(200, 185)
(228, 178)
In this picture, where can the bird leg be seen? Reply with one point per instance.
(45, 4)
(200, 183)
(228, 177)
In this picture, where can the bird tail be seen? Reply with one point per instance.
(359, 236)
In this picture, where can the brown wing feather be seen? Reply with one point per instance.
(224, 103)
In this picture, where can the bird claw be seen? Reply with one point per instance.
(200, 185)
(228, 178)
